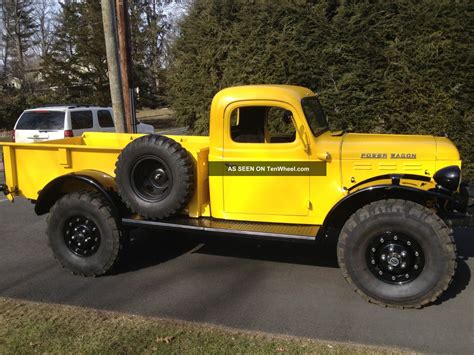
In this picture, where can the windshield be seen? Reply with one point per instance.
(314, 114)
(41, 120)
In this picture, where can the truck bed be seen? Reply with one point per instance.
(29, 167)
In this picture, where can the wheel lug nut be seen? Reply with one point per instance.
(416, 253)
(403, 253)
(416, 266)
(391, 249)
(408, 243)
(395, 237)
(380, 273)
(407, 276)
(383, 257)
(373, 250)
(404, 265)
(393, 278)
(373, 261)
(390, 268)
(381, 240)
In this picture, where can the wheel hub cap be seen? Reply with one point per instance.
(150, 179)
(394, 261)
(395, 257)
(81, 236)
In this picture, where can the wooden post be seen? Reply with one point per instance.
(115, 79)
(125, 61)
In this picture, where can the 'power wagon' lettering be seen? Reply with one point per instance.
(384, 156)
(402, 156)
(373, 155)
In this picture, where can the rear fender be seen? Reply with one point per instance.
(83, 180)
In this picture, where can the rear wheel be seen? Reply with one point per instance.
(83, 234)
(397, 253)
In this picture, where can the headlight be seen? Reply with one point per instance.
(448, 177)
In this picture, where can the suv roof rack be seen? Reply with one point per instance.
(68, 105)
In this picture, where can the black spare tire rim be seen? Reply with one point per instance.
(395, 258)
(81, 236)
(151, 179)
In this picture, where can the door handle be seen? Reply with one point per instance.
(324, 156)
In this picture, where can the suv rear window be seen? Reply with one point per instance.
(81, 119)
(105, 119)
(41, 120)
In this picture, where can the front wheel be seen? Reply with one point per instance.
(397, 253)
(83, 234)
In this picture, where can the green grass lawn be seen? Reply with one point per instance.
(27, 327)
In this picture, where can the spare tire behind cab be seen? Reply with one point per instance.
(155, 176)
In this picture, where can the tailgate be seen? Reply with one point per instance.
(7, 173)
(34, 136)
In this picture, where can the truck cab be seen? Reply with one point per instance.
(283, 127)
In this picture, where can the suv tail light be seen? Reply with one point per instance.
(13, 136)
(68, 133)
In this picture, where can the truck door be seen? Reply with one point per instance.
(261, 144)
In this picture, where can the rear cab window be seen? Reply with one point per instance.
(42, 120)
(81, 120)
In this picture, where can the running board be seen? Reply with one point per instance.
(249, 229)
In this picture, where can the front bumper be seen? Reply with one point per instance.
(460, 207)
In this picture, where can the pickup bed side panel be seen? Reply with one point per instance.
(30, 167)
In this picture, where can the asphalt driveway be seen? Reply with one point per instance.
(293, 289)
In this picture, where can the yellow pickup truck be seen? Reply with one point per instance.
(270, 168)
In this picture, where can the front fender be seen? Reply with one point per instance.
(341, 212)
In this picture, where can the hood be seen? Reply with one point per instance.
(357, 146)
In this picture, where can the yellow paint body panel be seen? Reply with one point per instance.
(350, 159)
(30, 167)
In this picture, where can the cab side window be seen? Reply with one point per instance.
(262, 124)
(280, 127)
(81, 120)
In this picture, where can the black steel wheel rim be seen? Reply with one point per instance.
(82, 236)
(395, 258)
(151, 179)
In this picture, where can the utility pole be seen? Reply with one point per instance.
(115, 78)
(121, 7)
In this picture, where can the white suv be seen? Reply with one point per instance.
(57, 122)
